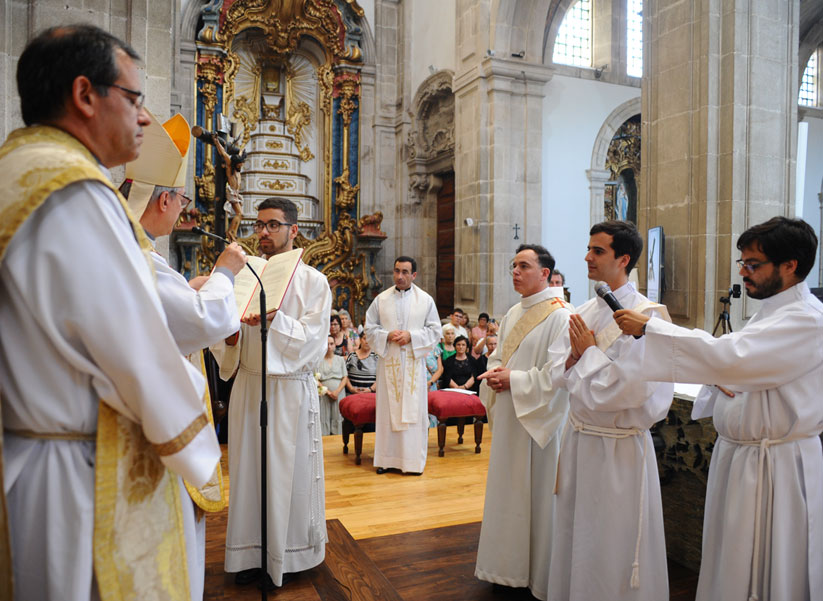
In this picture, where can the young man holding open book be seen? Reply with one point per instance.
(299, 304)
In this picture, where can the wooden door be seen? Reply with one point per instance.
(444, 296)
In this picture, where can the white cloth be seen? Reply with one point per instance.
(80, 320)
(775, 367)
(516, 534)
(601, 490)
(296, 492)
(197, 319)
(404, 449)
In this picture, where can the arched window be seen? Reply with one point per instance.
(573, 45)
(634, 38)
(810, 84)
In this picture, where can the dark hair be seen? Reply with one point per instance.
(458, 310)
(405, 259)
(337, 319)
(557, 272)
(625, 239)
(237, 159)
(463, 339)
(544, 257)
(284, 204)
(482, 315)
(55, 58)
(782, 239)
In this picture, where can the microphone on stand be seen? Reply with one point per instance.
(605, 292)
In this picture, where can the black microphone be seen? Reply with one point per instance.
(202, 232)
(605, 292)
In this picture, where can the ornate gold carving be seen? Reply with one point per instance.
(624, 149)
(274, 145)
(299, 117)
(369, 225)
(271, 112)
(278, 185)
(205, 182)
(284, 22)
(246, 112)
(209, 74)
(275, 164)
(346, 193)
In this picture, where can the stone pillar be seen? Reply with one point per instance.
(719, 109)
(498, 182)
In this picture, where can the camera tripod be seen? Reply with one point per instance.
(723, 321)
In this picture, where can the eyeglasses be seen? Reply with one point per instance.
(750, 267)
(186, 198)
(272, 226)
(139, 97)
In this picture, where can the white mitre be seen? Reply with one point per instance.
(163, 160)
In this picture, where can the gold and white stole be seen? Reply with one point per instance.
(402, 376)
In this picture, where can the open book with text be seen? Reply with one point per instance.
(276, 275)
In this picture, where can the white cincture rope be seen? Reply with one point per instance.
(764, 456)
(618, 433)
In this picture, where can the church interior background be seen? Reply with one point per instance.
(454, 130)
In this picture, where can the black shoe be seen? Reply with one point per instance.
(382, 470)
(245, 577)
(268, 583)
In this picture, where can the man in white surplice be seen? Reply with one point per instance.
(402, 327)
(83, 332)
(526, 415)
(763, 524)
(200, 312)
(608, 535)
(296, 491)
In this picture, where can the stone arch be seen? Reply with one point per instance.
(598, 175)
(189, 18)
(551, 25)
(430, 143)
(518, 27)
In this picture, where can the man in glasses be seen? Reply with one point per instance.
(200, 312)
(402, 326)
(763, 524)
(297, 338)
(87, 361)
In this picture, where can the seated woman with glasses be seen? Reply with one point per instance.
(459, 370)
(342, 345)
(362, 369)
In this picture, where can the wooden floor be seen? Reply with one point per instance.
(395, 537)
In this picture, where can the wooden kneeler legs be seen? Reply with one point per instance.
(348, 428)
(461, 424)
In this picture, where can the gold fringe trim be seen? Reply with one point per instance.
(179, 442)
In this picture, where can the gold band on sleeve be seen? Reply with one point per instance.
(178, 443)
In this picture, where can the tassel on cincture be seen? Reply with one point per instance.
(635, 581)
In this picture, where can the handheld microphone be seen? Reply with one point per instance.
(605, 292)
(202, 232)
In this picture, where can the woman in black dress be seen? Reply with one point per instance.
(459, 370)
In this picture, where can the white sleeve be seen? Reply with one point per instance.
(91, 288)
(374, 331)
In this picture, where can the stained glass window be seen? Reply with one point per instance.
(573, 45)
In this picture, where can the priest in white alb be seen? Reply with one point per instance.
(97, 400)
(608, 535)
(402, 326)
(763, 524)
(526, 415)
(297, 335)
(200, 312)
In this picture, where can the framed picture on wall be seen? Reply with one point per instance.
(655, 277)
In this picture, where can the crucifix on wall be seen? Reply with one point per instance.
(516, 229)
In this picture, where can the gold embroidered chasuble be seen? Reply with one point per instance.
(133, 489)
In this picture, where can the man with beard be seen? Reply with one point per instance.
(763, 525)
(297, 339)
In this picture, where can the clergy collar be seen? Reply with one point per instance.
(396, 289)
(791, 294)
(528, 301)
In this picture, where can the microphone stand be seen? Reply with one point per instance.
(264, 419)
